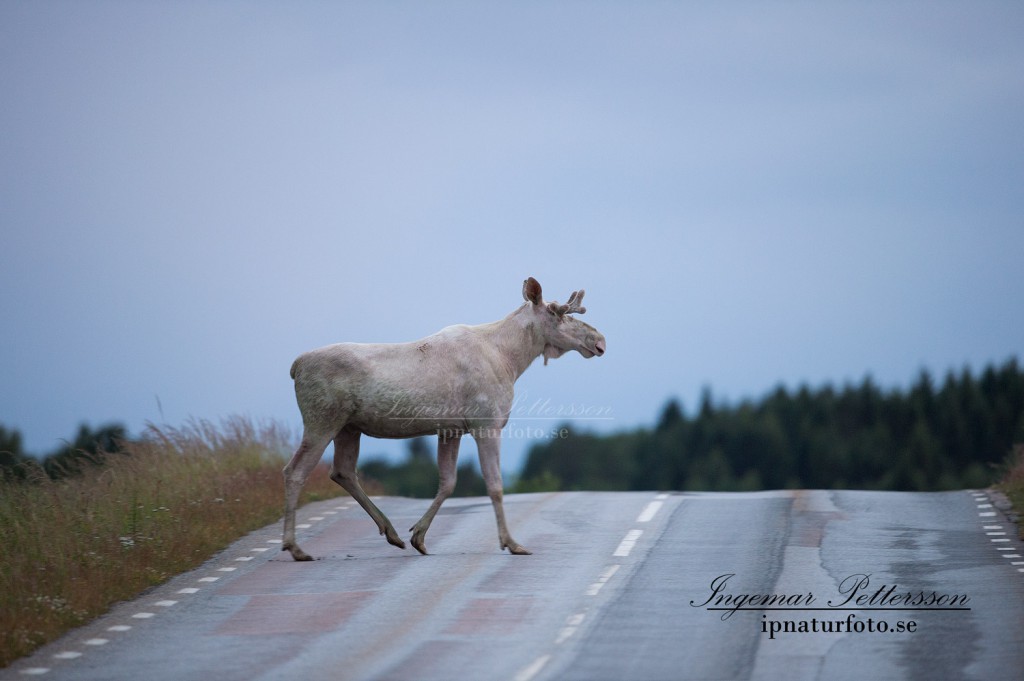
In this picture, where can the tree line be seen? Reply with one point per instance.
(928, 437)
(89, 447)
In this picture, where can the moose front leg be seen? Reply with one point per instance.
(490, 465)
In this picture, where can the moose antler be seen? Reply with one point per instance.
(572, 306)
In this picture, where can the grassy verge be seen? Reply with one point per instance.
(1012, 484)
(74, 547)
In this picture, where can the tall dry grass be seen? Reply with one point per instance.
(73, 547)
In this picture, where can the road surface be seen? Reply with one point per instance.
(646, 586)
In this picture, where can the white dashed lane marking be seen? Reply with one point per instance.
(572, 624)
(594, 588)
(649, 512)
(628, 543)
(997, 534)
(534, 669)
(67, 655)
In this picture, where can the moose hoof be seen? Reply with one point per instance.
(417, 538)
(417, 543)
(517, 550)
(392, 537)
(297, 553)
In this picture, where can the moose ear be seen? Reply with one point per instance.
(532, 292)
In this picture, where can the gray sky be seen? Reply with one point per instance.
(191, 194)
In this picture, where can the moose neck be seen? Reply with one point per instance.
(516, 339)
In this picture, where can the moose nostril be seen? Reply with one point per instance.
(599, 346)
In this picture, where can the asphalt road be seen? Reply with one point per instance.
(621, 586)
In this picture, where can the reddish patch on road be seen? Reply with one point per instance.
(490, 616)
(294, 613)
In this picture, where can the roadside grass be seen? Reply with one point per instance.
(1012, 484)
(106, 533)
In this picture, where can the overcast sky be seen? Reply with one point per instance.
(752, 194)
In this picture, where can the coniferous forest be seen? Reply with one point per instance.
(957, 434)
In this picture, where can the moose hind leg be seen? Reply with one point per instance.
(343, 472)
(490, 466)
(447, 456)
(296, 472)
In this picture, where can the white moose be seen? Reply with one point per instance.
(457, 381)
